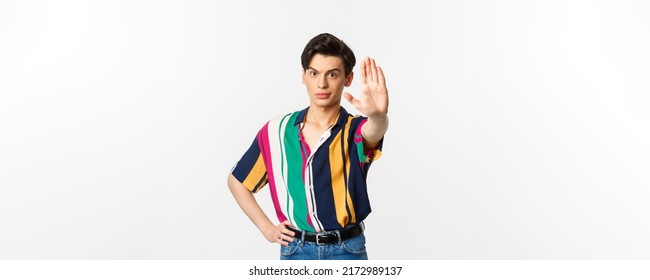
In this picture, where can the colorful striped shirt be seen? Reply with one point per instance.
(317, 189)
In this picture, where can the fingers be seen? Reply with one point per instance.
(286, 223)
(382, 79)
(284, 229)
(370, 72)
(284, 241)
(373, 69)
(367, 69)
(286, 232)
(284, 235)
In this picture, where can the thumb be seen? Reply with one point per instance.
(355, 102)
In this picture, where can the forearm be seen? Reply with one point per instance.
(249, 205)
(373, 130)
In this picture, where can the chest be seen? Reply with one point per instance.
(313, 135)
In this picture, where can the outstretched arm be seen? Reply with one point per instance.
(373, 102)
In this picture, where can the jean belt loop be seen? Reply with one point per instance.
(302, 237)
(338, 237)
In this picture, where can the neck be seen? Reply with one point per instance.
(322, 116)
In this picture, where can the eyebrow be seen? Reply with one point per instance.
(331, 70)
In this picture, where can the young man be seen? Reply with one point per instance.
(316, 160)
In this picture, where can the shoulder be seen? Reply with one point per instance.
(282, 120)
(355, 121)
(350, 120)
(282, 116)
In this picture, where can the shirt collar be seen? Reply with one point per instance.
(343, 116)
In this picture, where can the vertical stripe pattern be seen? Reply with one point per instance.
(314, 188)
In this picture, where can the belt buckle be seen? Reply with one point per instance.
(317, 238)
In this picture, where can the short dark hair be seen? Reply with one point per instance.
(328, 44)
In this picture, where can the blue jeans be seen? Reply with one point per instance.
(349, 249)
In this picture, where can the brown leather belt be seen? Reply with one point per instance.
(329, 237)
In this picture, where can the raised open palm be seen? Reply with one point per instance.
(373, 101)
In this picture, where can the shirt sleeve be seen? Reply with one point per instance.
(366, 156)
(250, 170)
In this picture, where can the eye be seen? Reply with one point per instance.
(312, 73)
(332, 75)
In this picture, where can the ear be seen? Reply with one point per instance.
(348, 79)
(302, 76)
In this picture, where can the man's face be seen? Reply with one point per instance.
(325, 79)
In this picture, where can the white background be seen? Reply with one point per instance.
(519, 129)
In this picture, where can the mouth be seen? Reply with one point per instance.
(322, 95)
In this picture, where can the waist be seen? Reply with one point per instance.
(329, 237)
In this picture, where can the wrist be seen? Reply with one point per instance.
(267, 227)
(378, 118)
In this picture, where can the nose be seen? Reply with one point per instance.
(322, 82)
